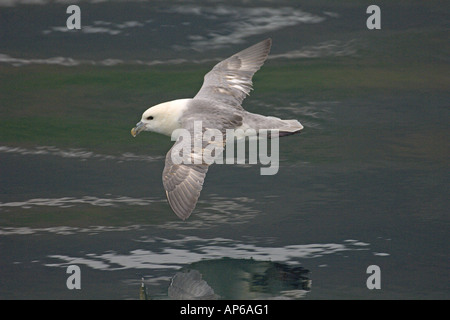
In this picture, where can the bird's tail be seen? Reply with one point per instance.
(289, 127)
(284, 127)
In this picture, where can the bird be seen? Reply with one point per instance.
(218, 105)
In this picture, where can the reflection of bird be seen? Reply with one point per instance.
(240, 279)
(218, 106)
(190, 286)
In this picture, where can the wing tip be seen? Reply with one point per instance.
(181, 212)
(261, 46)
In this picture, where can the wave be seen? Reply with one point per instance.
(235, 24)
(67, 202)
(65, 230)
(217, 211)
(13, 3)
(174, 254)
(210, 212)
(100, 26)
(332, 48)
(78, 154)
(71, 62)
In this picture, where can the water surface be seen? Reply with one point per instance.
(366, 183)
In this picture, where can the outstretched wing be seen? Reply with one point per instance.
(230, 81)
(183, 183)
(195, 149)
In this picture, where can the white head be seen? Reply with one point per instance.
(163, 118)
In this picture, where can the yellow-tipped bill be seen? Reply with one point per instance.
(139, 127)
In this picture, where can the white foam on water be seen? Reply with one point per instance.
(173, 254)
(77, 153)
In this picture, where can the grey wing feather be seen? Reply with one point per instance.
(183, 184)
(230, 81)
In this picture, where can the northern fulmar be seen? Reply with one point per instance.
(218, 106)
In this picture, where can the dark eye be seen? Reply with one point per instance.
(150, 118)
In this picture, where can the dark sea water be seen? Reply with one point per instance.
(366, 183)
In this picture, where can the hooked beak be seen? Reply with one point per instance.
(140, 126)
